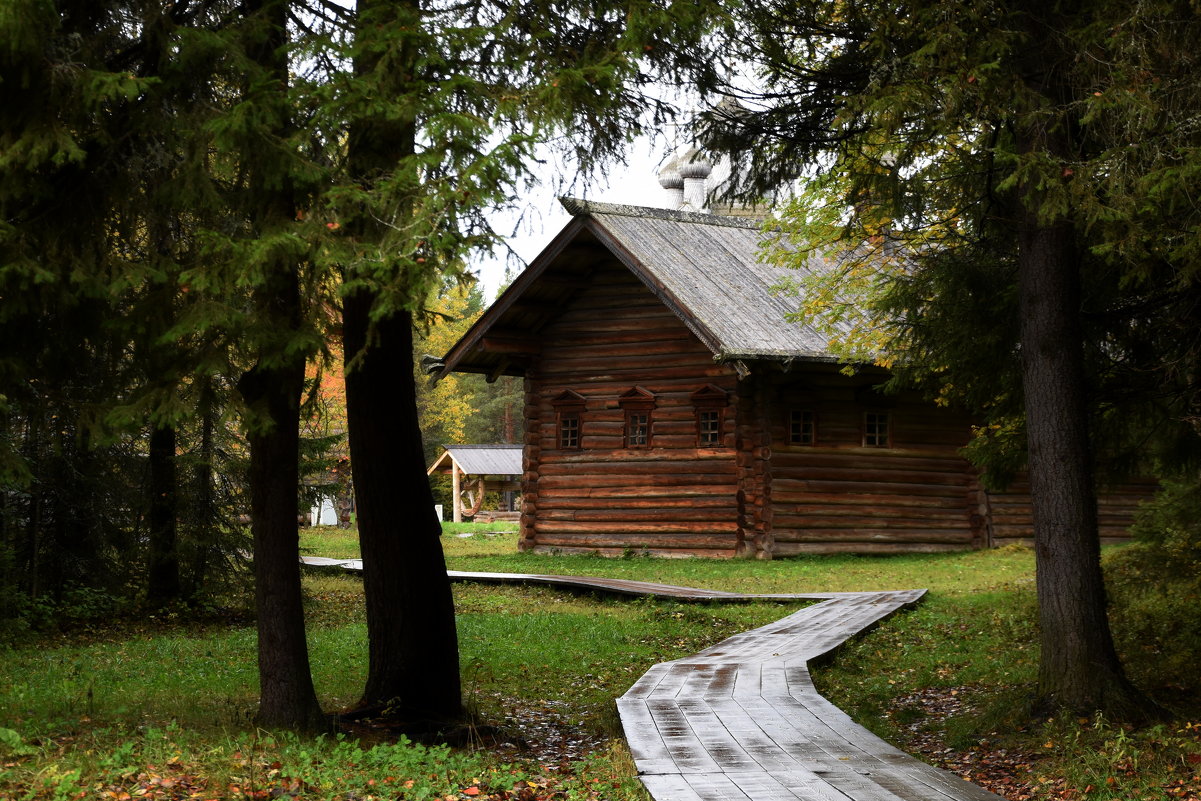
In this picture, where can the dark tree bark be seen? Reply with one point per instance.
(162, 575)
(1079, 668)
(287, 698)
(413, 667)
(272, 389)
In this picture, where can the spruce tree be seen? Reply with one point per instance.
(980, 172)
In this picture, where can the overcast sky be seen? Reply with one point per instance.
(635, 183)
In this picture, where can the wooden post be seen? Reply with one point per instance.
(456, 489)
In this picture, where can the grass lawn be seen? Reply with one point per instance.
(162, 708)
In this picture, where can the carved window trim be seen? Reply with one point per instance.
(569, 424)
(709, 404)
(638, 405)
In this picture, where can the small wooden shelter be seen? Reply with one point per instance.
(493, 468)
(672, 407)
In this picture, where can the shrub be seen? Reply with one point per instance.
(1155, 592)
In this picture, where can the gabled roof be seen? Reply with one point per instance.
(704, 267)
(480, 460)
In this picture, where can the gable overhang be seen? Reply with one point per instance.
(651, 282)
(490, 325)
(504, 341)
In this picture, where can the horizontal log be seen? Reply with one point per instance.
(639, 515)
(881, 473)
(721, 500)
(682, 494)
(574, 481)
(784, 497)
(799, 548)
(557, 363)
(877, 487)
(627, 335)
(858, 458)
(601, 348)
(635, 530)
(636, 540)
(632, 374)
(864, 521)
(870, 512)
(642, 461)
(666, 553)
(943, 536)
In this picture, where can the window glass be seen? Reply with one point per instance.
(708, 427)
(802, 427)
(875, 429)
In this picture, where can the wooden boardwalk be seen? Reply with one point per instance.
(592, 584)
(742, 721)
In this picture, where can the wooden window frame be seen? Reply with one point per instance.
(706, 438)
(636, 403)
(568, 440)
(710, 399)
(637, 431)
(872, 430)
(569, 407)
(796, 427)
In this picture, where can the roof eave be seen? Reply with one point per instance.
(506, 300)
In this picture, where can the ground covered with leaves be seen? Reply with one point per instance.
(162, 707)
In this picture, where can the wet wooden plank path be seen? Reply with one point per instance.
(590, 584)
(742, 720)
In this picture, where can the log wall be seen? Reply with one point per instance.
(672, 498)
(753, 494)
(1011, 521)
(836, 495)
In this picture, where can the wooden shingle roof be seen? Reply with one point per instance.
(480, 460)
(705, 268)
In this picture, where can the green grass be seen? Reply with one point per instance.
(115, 709)
(493, 548)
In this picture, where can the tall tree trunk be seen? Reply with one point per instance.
(287, 698)
(162, 575)
(272, 390)
(413, 667)
(204, 512)
(1079, 668)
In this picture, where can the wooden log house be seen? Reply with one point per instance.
(670, 408)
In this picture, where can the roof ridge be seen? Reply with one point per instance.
(578, 207)
(491, 445)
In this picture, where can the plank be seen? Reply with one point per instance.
(748, 707)
(742, 721)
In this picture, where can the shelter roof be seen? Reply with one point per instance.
(705, 268)
(480, 460)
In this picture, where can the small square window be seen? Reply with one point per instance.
(569, 431)
(638, 429)
(875, 429)
(802, 427)
(708, 427)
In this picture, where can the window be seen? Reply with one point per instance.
(875, 429)
(708, 427)
(569, 410)
(638, 405)
(569, 430)
(802, 427)
(638, 429)
(710, 404)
